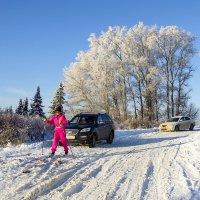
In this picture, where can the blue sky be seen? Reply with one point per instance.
(39, 38)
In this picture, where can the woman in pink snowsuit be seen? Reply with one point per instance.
(60, 121)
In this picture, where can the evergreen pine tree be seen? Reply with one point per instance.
(25, 107)
(58, 99)
(36, 106)
(19, 109)
(9, 110)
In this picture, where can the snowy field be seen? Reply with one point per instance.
(140, 164)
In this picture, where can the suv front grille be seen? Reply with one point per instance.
(72, 131)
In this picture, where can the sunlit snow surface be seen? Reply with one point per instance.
(140, 164)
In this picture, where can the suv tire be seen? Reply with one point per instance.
(111, 137)
(92, 141)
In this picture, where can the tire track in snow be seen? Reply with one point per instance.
(47, 186)
(85, 175)
(109, 179)
(112, 177)
(132, 158)
(173, 167)
(44, 167)
(147, 181)
(125, 187)
(159, 179)
(190, 172)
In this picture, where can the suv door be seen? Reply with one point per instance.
(107, 126)
(100, 127)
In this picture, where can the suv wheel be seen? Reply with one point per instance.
(92, 141)
(111, 137)
(176, 128)
(191, 127)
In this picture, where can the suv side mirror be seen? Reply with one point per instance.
(99, 122)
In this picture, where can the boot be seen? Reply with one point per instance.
(52, 154)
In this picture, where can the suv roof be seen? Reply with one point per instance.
(86, 113)
(91, 113)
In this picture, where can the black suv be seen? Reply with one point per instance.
(88, 128)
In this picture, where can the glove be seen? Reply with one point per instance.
(44, 118)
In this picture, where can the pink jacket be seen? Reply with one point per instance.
(58, 120)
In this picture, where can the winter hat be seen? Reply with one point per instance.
(58, 109)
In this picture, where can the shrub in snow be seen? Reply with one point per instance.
(17, 129)
(11, 127)
(36, 128)
(136, 123)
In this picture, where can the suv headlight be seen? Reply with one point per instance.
(85, 130)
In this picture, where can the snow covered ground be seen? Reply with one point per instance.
(140, 164)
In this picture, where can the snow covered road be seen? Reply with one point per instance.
(140, 164)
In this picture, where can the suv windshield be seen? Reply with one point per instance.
(174, 119)
(83, 120)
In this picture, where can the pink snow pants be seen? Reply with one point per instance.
(59, 134)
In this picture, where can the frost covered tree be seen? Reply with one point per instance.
(143, 69)
(36, 106)
(111, 65)
(139, 72)
(58, 99)
(175, 48)
(95, 80)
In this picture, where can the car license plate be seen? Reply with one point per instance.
(71, 137)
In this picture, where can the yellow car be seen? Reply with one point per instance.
(177, 123)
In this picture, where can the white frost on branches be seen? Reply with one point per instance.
(140, 71)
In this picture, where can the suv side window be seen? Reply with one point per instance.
(100, 120)
(83, 120)
(74, 120)
(105, 119)
(109, 119)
